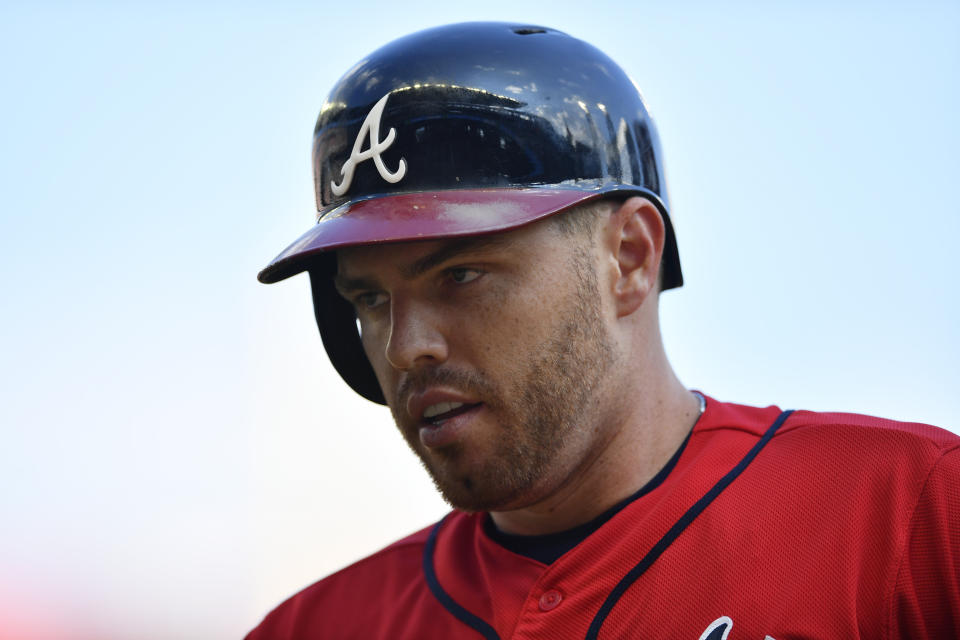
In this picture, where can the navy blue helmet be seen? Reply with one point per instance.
(462, 130)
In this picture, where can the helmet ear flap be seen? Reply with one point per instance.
(341, 338)
(672, 276)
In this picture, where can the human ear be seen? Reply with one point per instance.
(635, 236)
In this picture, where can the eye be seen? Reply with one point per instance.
(463, 275)
(369, 300)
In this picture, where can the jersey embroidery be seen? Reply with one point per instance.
(370, 129)
(719, 629)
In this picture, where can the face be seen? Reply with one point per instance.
(492, 353)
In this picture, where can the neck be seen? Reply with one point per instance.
(629, 458)
(640, 423)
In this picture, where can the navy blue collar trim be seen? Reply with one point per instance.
(549, 547)
(678, 528)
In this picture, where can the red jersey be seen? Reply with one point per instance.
(771, 525)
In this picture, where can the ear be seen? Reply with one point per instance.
(635, 237)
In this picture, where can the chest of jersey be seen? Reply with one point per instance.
(759, 558)
(750, 537)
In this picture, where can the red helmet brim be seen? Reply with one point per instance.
(409, 217)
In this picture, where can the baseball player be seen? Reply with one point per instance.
(493, 237)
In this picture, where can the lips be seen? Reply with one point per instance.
(437, 413)
(448, 427)
(441, 414)
(432, 402)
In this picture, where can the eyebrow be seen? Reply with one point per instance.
(450, 249)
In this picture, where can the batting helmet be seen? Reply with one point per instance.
(461, 130)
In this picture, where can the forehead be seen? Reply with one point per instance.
(353, 258)
(417, 257)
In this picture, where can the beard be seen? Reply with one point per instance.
(542, 418)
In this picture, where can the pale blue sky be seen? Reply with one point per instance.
(178, 455)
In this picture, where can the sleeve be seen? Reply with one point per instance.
(926, 599)
(279, 624)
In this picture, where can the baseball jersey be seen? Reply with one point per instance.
(770, 525)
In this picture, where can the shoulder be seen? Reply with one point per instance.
(861, 462)
(862, 442)
(857, 434)
(394, 571)
(864, 427)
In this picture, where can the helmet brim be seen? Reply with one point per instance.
(409, 217)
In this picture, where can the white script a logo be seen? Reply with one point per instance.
(719, 629)
(371, 129)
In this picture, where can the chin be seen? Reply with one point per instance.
(487, 489)
(478, 503)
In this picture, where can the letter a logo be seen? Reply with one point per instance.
(370, 129)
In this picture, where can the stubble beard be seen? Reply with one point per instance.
(541, 423)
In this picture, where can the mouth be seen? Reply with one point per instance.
(443, 422)
(436, 414)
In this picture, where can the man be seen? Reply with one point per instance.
(493, 219)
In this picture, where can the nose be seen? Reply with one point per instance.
(416, 336)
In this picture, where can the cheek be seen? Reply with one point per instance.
(487, 327)
(505, 325)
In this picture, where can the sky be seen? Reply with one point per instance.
(178, 455)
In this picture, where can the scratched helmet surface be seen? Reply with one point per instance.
(461, 130)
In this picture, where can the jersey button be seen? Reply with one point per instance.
(550, 599)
